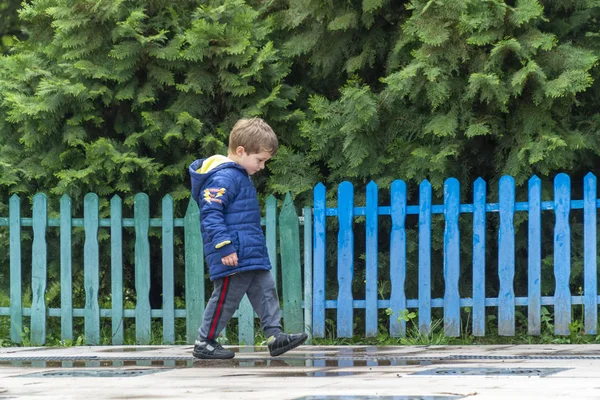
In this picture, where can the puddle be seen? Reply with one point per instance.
(299, 374)
(99, 364)
(370, 349)
(448, 397)
(92, 373)
(233, 363)
(491, 371)
(128, 349)
(19, 350)
(248, 349)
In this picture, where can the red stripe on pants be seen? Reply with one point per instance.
(219, 308)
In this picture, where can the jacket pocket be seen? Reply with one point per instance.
(249, 248)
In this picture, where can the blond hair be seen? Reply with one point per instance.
(254, 135)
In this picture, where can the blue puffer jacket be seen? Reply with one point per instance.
(229, 216)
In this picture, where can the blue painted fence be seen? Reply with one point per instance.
(347, 211)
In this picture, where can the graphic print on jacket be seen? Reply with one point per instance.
(229, 215)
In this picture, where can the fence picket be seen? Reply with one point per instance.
(168, 274)
(289, 232)
(425, 257)
(39, 266)
(398, 258)
(479, 238)
(308, 273)
(371, 317)
(319, 262)
(562, 254)
(534, 277)
(116, 269)
(91, 269)
(16, 290)
(271, 234)
(345, 266)
(66, 270)
(451, 258)
(194, 271)
(143, 320)
(245, 315)
(506, 257)
(590, 284)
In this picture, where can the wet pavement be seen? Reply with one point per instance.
(309, 372)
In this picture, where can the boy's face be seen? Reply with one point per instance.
(252, 162)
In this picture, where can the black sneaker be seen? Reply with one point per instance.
(285, 342)
(211, 350)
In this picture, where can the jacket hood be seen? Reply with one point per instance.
(201, 170)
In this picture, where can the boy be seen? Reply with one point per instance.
(234, 243)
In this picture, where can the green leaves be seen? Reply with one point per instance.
(443, 125)
(525, 11)
(118, 97)
(361, 90)
(569, 82)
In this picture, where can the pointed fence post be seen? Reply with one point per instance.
(345, 266)
(534, 273)
(479, 237)
(425, 257)
(398, 258)
(194, 271)
(66, 270)
(271, 234)
(319, 260)
(39, 265)
(590, 266)
(116, 269)
(91, 269)
(289, 239)
(562, 254)
(506, 258)
(168, 275)
(16, 290)
(308, 273)
(143, 320)
(372, 216)
(451, 257)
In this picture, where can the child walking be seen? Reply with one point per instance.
(234, 243)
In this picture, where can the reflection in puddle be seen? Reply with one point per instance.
(248, 349)
(128, 349)
(233, 363)
(449, 397)
(92, 373)
(300, 374)
(98, 364)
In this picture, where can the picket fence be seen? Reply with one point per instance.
(304, 299)
(562, 300)
(195, 283)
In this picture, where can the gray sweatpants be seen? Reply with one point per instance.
(227, 295)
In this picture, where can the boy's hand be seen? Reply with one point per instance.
(230, 260)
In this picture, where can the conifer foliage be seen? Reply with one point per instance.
(440, 88)
(117, 97)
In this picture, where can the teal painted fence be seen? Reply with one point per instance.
(282, 231)
(558, 209)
